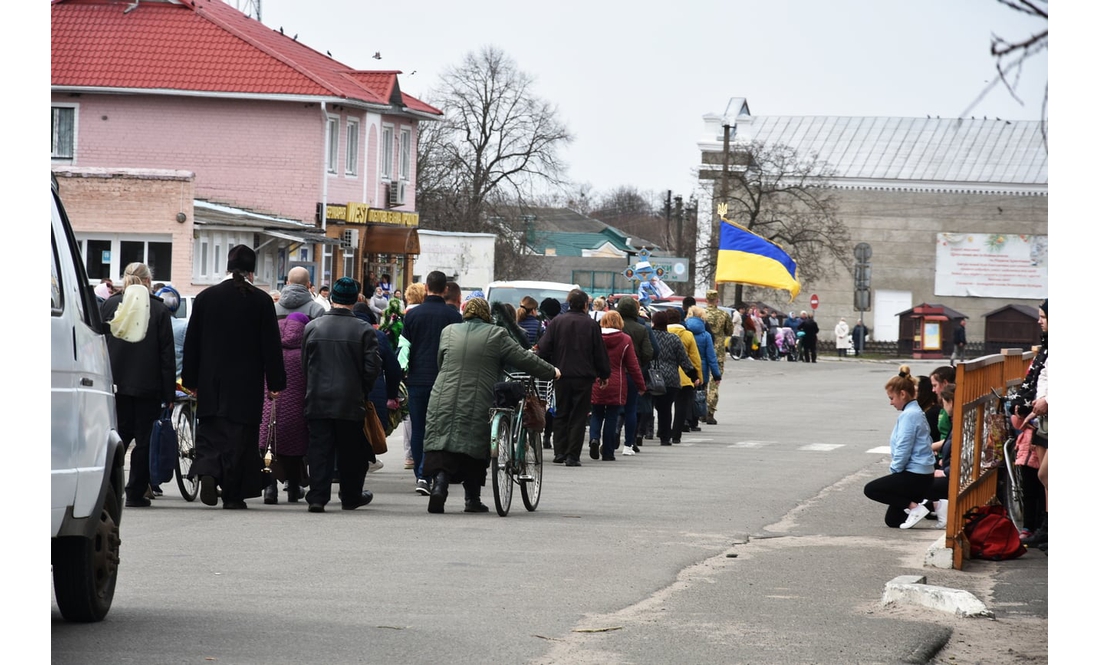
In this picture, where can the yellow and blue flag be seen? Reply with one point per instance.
(750, 259)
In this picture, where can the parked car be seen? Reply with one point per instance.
(513, 291)
(87, 455)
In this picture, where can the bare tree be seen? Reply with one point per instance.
(1010, 55)
(496, 139)
(784, 197)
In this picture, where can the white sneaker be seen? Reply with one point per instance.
(941, 514)
(915, 515)
(628, 450)
(375, 465)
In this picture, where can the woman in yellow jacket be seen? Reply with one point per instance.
(685, 401)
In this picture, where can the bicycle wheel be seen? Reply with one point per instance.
(184, 422)
(530, 486)
(502, 462)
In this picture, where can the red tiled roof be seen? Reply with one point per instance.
(202, 46)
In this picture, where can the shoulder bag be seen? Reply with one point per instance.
(654, 381)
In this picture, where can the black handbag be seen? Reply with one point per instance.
(654, 382)
(163, 449)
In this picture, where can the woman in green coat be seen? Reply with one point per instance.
(471, 358)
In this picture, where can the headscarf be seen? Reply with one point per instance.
(476, 308)
(131, 319)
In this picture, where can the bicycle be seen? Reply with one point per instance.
(1015, 491)
(185, 421)
(515, 450)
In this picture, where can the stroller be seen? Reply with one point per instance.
(785, 344)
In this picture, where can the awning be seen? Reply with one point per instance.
(388, 239)
(300, 236)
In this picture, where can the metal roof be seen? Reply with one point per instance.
(910, 149)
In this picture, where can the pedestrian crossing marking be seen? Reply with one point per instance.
(822, 447)
(881, 450)
(751, 444)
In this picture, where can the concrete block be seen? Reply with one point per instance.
(911, 590)
(939, 555)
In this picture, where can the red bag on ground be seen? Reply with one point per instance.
(992, 534)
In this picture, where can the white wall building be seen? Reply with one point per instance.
(467, 258)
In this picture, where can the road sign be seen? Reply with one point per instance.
(813, 301)
(863, 252)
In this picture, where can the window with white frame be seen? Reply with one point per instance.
(351, 159)
(211, 251)
(333, 132)
(406, 153)
(107, 255)
(387, 152)
(63, 132)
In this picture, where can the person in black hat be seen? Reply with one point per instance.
(232, 345)
(341, 362)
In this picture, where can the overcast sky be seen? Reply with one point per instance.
(632, 80)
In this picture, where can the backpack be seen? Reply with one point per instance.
(992, 534)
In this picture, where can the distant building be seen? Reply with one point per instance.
(955, 210)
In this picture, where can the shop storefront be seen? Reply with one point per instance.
(373, 242)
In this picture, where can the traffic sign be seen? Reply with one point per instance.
(813, 301)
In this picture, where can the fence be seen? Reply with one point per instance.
(977, 438)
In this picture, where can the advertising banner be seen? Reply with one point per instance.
(991, 265)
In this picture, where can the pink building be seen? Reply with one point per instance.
(307, 160)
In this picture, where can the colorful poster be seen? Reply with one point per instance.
(991, 265)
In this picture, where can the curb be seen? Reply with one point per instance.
(912, 590)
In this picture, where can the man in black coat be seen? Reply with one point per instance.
(809, 340)
(958, 350)
(574, 344)
(232, 345)
(340, 361)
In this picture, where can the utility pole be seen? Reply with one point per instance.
(716, 223)
(680, 232)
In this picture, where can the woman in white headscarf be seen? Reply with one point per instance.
(143, 366)
(842, 343)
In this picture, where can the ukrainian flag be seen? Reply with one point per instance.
(748, 258)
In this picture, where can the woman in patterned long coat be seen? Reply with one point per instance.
(291, 431)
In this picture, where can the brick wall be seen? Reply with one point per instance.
(142, 202)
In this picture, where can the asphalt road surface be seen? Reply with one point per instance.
(750, 542)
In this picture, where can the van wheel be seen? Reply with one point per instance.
(85, 569)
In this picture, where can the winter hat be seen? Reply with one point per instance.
(131, 319)
(550, 307)
(241, 257)
(102, 291)
(476, 294)
(1043, 307)
(345, 291)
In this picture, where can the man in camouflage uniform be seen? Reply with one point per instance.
(721, 327)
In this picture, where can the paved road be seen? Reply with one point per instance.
(751, 542)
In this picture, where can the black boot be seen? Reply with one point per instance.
(271, 492)
(438, 497)
(473, 498)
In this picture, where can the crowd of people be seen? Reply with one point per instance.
(921, 444)
(323, 372)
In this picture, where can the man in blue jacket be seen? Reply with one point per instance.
(423, 326)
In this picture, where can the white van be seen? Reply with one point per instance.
(86, 462)
(513, 291)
